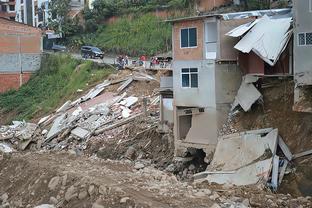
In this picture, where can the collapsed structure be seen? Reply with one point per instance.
(207, 75)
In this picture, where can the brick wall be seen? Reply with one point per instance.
(18, 38)
(12, 80)
(207, 5)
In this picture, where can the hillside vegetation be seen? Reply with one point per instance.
(135, 36)
(58, 79)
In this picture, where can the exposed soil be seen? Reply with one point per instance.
(294, 127)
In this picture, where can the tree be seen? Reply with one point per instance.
(59, 19)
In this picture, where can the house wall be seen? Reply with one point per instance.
(228, 79)
(302, 54)
(207, 5)
(195, 53)
(250, 63)
(204, 95)
(20, 53)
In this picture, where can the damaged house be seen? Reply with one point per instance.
(207, 71)
(302, 55)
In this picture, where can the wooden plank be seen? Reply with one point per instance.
(285, 148)
(309, 152)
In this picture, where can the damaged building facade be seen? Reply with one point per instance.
(207, 73)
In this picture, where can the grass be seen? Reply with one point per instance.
(58, 80)
(136, 36)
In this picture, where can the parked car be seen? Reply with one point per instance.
(91, 52)
(59, 48)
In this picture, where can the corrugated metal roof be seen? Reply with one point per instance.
(238, 15)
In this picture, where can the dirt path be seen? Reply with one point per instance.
(26, 179)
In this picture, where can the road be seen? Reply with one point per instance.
(106, 59)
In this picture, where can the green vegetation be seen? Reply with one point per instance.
(58, 79)
(136, 36)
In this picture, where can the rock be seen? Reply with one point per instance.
(45, 206)
(245, 202)
(139, 165)
(53, 200)
(214, 196)
(71, 193)
(199, 194)
(64, 180)
(96, 205)
(191, 167)
(4, 198)
(124, 200)
(53, 183)
(170, 168)
(91, 190)
(102, 189)
(44, 132)
(215, 205)
(5, 205)
(83, 194)
(130, 153)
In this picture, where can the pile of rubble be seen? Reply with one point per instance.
(73, 124)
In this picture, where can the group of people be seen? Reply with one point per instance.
(122, 62)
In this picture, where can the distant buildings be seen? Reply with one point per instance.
(7, 9)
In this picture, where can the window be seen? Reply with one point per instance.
(301, 39)
(188, 37)
(308, 38)
(190, 77)
(12, 8)
(304, 39)
(4, 8)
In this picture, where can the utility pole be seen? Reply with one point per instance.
(20, 59)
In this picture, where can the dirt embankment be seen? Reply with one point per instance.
(294, 127)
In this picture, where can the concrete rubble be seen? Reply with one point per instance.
(97, 111)
(248, 158)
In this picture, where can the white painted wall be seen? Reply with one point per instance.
(204, 95)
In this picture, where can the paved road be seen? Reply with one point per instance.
(106, 59)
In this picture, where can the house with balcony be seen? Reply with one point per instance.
(7, 9)
(206, 76)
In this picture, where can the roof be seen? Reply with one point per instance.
(237, 15)
(19, 23)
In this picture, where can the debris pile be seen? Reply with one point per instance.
(249, 158)
(74, 123)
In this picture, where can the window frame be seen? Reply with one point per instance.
(189, 73)
(188, 39)
(305, 39)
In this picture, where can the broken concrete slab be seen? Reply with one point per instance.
(80, 133)
(129, 101)
(56, 128)
(125, 85)
(302, 154)
(284, 148)
(274, 180)
(6, 148)
(26, 132)
(282, 172)
(247, 95)
(249, 155)
(44, 119)
(64, 107)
